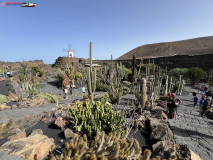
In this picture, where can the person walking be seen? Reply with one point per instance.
(195, 100)
(198, 88)
(205, 89)
(206, 103)
(201, 105)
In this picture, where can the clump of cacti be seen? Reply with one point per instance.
(49, 97)
(106, 147)
(4, 130)
(103, 147)
(97, 117)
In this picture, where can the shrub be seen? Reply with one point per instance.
(49, 97)
(97, 117)
(178, 71)
(100, 86)
(59, 75)
(3, 98)
(37, 70)
(195, 74)
(32, 91)
(78, 75)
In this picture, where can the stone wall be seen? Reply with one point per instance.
(178, 61)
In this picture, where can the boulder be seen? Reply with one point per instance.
(160, 115)
(36, 131)
(140, 123)
(3, 107)
(37, 101)
(164, 149)
(160, 130)
(183, 152)
(68, 133)
(37, 146)
(18, 135)
(209, 114)
(60, 122)
(194, 156)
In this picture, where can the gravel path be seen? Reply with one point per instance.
(191, 129)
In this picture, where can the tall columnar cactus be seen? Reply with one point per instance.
(143, 93)
(170, 85)
(179, 84)
(91, 77)
(153, 63)
(166, 86)
(181, 88)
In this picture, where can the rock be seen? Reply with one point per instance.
(68, 133)
(22, 104)
(36, 131)
(160, 115)
(60, 122)
(3, 107)
(38, 146)
(146, 113)
(19, 135)
(194, 156)
(183, 152)
(163, 149)
(37, 101)
(57, 113)
(28, 121)
(162, 103)
(13, 106)
(209, 114)
(141, 123)
(160, 130)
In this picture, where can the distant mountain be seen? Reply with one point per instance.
(203, 45)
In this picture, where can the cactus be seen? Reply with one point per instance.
(179, 85)
(166, 86)
(4, 131)
(49, 97)
(97, 117)
(91, 77)
(104, 147)
(170, 85)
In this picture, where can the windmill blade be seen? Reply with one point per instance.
(65, 50)
(75, 51)
(69, 46)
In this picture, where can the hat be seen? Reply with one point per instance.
(173, 94)
(208, 98)
(169, 94)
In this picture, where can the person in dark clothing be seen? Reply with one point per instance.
(195, 100)
(205, 105)
(171, 106)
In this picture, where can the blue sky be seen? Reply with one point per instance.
(114, 26)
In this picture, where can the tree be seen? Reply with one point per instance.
(195, 74)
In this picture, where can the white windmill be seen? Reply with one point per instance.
(69, 51)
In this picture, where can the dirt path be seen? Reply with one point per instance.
(191, 129)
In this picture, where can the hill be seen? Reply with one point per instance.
(203, 45)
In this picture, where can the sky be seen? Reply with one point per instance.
(113, 26)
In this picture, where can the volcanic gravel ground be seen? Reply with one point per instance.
(6, 87)
(191, 129)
